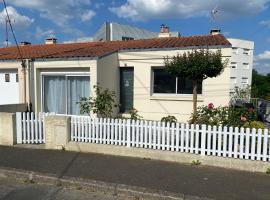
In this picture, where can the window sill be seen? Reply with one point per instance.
(175, 97)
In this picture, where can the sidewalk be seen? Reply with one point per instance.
(199, 181)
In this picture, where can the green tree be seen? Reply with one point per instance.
(102, 104)
(260, 85)
(196, 65)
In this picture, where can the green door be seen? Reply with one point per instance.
(126, 89)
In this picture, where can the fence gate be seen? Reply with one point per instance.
(30, 127)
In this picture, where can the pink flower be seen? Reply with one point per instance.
(243, 118)
(210, 106)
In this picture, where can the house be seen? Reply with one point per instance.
(57, 75)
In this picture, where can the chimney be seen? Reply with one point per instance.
(50, 40)
(215, 31)
(164, 31)
(24, 43)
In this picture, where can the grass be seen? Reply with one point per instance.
(195, 162)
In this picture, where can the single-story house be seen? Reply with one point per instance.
(57, 75)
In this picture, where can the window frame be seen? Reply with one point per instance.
(234, 65)
(245, 65)
(66, 74)
(169, 94)
(7, 77)
(244, 78)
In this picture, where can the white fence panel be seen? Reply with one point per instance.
(30, 128)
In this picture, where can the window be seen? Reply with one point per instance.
(127, 38)
(62, 92)
(7, 77)
(233, 65)
(244, 81)
(164, 83)
(235, 50)
(245, 65)
(233, 80)
(17, 78)
(246, 51)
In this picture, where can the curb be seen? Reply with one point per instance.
(93, 185)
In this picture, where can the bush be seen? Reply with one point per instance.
(102, 104)
(169, 119)
(226, 116)
(134, 114)
(254, 124)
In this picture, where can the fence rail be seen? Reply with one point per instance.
(30, 128)
(221, 141)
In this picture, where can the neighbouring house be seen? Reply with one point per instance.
(57, 75)
(241, 62)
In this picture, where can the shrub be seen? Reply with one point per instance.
(134, 114)
(254, 124)
(226, 116)
(169, 119)
(102, 104)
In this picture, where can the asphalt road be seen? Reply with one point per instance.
(200, 181)
(18, 190)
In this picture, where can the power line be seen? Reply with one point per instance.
(11, 28)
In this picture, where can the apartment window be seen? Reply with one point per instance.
(244, 81)
(60, 93)
(245, 65)
(246, 51)
(127, 38)
(233, 80)
(235, 50)
(165, 83)
(233, 65)
(17, 78)
(7, 77)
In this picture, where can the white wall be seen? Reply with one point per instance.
(9, 91)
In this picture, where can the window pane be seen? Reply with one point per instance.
(78, 86)
(55, 94)
(185, 86)
(164, 82)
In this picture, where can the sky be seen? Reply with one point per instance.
(78, 20)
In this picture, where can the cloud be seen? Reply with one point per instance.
(265, 23)
(140, 10)
(87, 15)
(60, 12)
(18, 21)
(263, 56)
(42, 34)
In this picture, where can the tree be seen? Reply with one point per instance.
(102, 104)
(196, 65)
(260, 85)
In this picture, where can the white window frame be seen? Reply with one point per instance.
(66, 74)
(245, 65)
(246, 81)
(235, 80)
(235, 50)
(246, 51)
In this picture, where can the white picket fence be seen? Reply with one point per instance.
(197, 139)
(30, 128)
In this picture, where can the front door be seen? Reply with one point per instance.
(126, 89)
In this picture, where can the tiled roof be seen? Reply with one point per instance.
(97, 49)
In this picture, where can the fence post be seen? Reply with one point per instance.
(128, 132)
(203, 140)
(19, 127)
(7, 129)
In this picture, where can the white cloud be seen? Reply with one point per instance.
(59, 12)
(169, 9)
(263, 56)
(87, 15)
(18, 21)
(42, 34)
(81, 39)
(265, 23)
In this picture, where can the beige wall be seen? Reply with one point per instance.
(154, 107)
(61, 66)
(108, 75)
